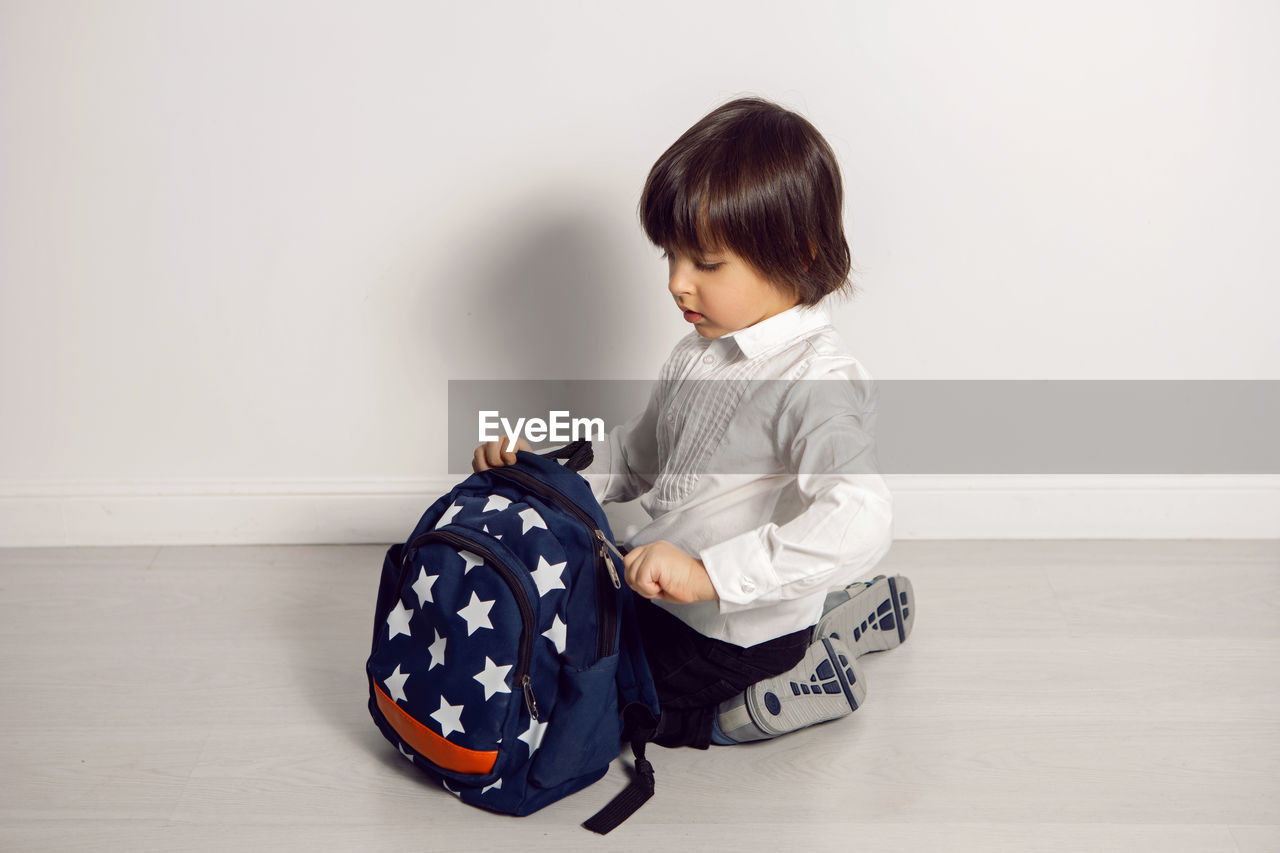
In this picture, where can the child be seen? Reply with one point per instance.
(759, 479)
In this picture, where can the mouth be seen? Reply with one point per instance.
(692, 316)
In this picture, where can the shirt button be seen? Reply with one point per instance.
(708, 358)
(671, 417)
(748, 585)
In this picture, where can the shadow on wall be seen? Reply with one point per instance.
(540, 291)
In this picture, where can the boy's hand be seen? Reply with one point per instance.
(493, 454)
(661, 570)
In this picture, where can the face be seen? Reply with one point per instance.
(721, 293)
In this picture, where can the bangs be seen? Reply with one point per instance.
(676, 206)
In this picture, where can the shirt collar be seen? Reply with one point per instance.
(789, 325)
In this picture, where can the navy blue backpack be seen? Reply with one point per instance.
(505, 651)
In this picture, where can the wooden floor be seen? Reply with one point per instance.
(1111, 695)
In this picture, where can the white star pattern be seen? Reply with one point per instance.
(533, 735)
(556, 634)
(548, 576)
(449, 513)
(496, 502)
(410, 757)
(487, 788)
(449, 717)
(470, 561)
(457, 794)
(422, 586)
(395, 684)
(530, 519)
(436, 650)
(477, 614)
(494, 679)
(398, 621)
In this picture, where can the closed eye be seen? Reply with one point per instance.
(700, 265)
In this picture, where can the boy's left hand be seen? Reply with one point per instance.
(661, 570)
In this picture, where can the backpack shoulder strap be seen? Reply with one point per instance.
(642, 724)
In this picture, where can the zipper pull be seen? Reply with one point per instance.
(609, 545)
(605, 547)
(529, 700)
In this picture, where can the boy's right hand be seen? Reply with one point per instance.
(494, 454)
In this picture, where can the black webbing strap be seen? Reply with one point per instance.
(579, 454)
(640, 789)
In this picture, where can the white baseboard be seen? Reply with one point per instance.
(384, 511)
(213, 513)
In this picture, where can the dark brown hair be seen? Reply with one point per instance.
(760, 181)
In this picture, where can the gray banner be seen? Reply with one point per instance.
(942, 426)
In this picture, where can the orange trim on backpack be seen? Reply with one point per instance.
(445, 754)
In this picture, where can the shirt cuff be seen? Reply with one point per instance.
(741, 572)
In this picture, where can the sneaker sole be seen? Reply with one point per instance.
(876, 618)
(835, 688)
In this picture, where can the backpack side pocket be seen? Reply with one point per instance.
(584, 733)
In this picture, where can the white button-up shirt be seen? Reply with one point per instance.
(766, 475)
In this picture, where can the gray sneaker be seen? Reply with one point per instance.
(825, 685)
(870, 616)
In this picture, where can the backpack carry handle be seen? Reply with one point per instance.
(578, 453)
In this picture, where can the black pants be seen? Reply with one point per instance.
(694, 673)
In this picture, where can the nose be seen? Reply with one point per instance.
(679, 283)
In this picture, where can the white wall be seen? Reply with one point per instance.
(245, 244)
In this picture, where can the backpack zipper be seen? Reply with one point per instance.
(606, 603)
(465, 543)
